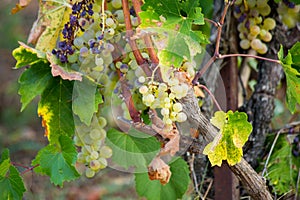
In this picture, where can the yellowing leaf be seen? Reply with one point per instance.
(234, 132)
(47, 29)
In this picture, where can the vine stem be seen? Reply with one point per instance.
(30, 169)
(217, 47)
(212, 96)
(250, 56)
(129, 33)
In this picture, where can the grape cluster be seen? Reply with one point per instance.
(296, 146)
(289, 13)
(254, 26)
(94, 153)
(81, 15)
(165, 96)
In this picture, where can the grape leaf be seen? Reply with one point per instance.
(84, 100)
(26, 55)
(11, 183)
(52, 16)
(58, 161)
(175, 18)
(33, 82)
(63, 72)
(175, 189)
(55, 107)
(291, 67)
(234, 132)
(283, 167)
(134, 149)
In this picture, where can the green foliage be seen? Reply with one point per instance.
(134, 149)
(55, 107)
(234, 132)
(27, 56)
(176, 18)
(283, 167)
(175, 189)
(33, 82)
(85, 100)
(291, 67)
(11, 183)
(58, 161)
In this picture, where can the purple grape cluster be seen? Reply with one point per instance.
(296, 146)
(289, 4)
(81, 14)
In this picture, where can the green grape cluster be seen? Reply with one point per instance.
(254, 26)
(94, 153)
(165, 95)
(289, 13)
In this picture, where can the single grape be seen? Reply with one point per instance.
(177, 107)
(109, 22)
(181, 117)
(245, 44)
(267, 37)
(105, 152)
(89, 173)
(95, 134)
(103, 163)
(95, 165)
(84, 51)
(94, 155)
(269, 24)
(116, 3)
(143, 89)
(165, 111)
(102, 122)
(254, 30)
(263, 49)
(256, 44)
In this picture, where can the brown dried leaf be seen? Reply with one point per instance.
(60, 71)
(19, 6)
(36, 31)
(172, 146)
(159, 170)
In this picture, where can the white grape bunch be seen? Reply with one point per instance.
(254, 24)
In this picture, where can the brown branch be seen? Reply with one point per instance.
(217, 48)
(253, 182)
(129, 33)
(151, 51)
(134, 113)
(250, 56)
(212, 96)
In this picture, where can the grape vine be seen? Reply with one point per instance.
(119, 83)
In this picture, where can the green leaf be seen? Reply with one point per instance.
(134, 149)
(26, 55)
(283, 167)
(291, 67)
(234, 132)
(55, 107)
(33, 82)
(85, 101)
(176, 19)
(175, 189)
(58, 161)
(53, 15)
(11, 183)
